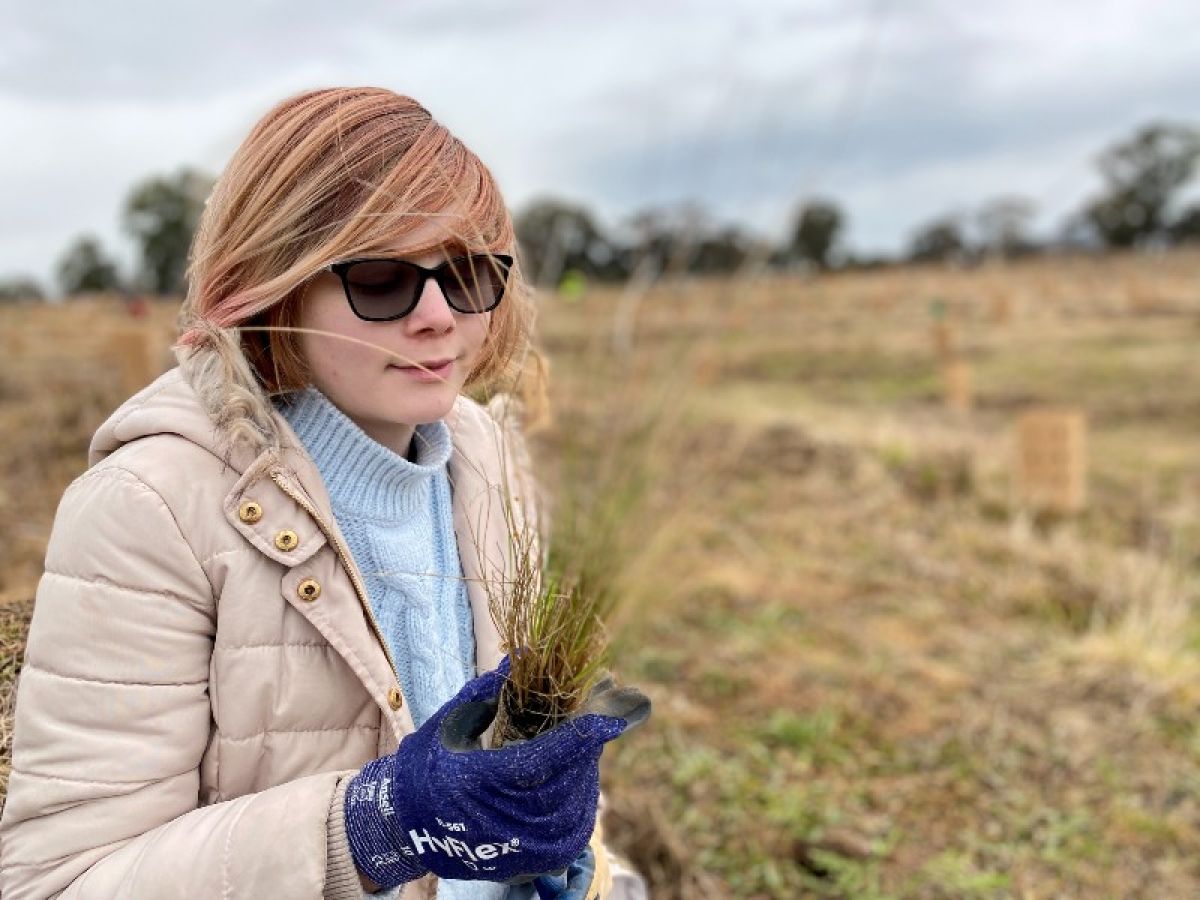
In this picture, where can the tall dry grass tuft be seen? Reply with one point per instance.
(553, 626)
(1139, 608)
(1148, 605)
(603, 472)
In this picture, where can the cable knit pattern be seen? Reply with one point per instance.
(397, 518)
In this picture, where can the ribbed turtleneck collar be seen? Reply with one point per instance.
(360, 473)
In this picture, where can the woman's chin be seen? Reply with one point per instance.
(427, 410)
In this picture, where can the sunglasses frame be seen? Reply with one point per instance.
(438, 273)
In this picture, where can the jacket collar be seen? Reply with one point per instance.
(175, 403)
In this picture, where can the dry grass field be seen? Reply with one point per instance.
(877, 671)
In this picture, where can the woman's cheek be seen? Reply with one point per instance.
(479, 339)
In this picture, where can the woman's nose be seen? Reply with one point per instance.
(432, 310)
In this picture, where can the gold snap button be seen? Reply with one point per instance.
(309, 589)
(395, 698)
(250, 511)
(286, 540)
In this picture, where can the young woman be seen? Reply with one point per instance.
(261, 656)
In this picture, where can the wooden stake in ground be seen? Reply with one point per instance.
(1000, 309)
(943, 340)
(941, 331)
(14, 344)
(957, 385)
(534, 394)
(139, 353)
(1051, 471)
(1145, 298)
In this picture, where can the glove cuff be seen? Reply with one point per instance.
(371, 826)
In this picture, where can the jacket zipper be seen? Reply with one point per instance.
(347, 562)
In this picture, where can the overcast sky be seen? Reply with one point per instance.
(900, 110)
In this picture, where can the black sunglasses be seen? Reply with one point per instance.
(380, 290)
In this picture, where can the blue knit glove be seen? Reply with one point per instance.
(443, 804)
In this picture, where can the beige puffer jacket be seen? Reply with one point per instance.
(203, 673)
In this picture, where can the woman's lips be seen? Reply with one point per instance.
(429, 373)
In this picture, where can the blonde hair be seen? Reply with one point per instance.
(332, 174)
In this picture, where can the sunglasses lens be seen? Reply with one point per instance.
(384, 289)
(475, 283)
(381, 289)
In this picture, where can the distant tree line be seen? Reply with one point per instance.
(1141, 204)
(160, 214)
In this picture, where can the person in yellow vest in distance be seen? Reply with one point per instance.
(572, 286)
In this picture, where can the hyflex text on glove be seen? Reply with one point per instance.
(443, 804)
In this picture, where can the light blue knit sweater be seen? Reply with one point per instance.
(397, 518)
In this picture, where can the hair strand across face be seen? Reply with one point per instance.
(334, 174)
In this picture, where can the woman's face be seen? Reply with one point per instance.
(368, 384)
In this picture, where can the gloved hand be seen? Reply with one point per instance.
(443, 804)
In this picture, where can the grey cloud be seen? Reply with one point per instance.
(926, 107)
(145, 50)
(897, 108)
